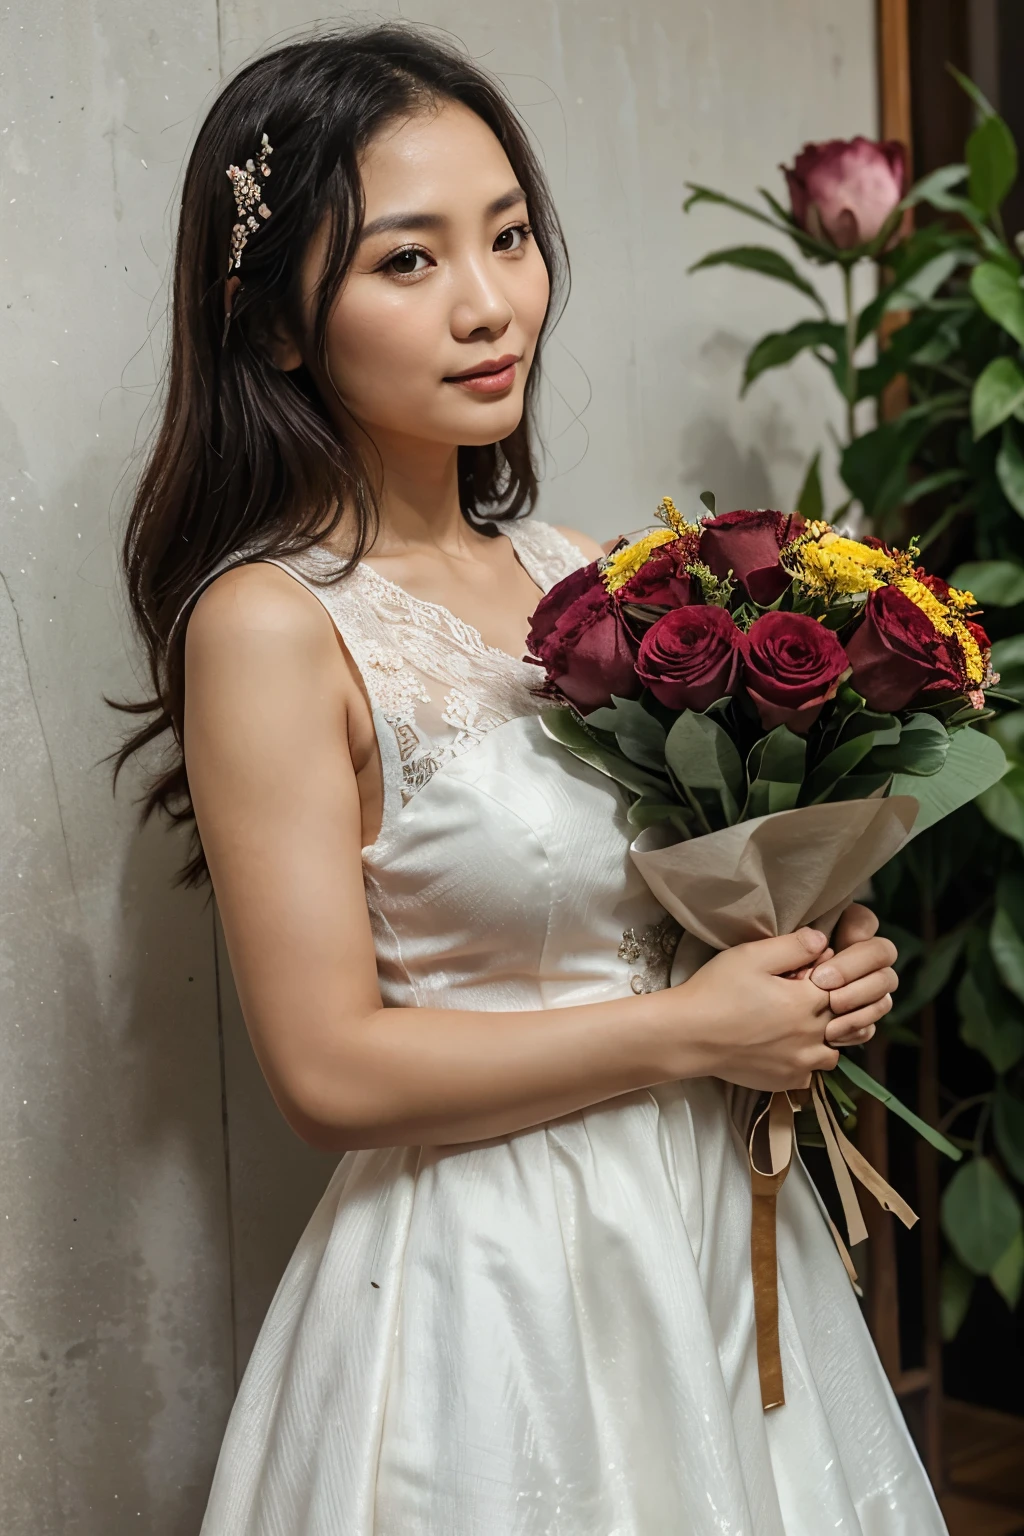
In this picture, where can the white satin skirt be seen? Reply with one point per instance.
(552, 1334)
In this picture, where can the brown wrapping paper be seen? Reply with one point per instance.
(757, 880)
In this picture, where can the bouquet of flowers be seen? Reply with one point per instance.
(785, 706)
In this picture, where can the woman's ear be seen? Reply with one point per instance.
(280, 344)
(282, 347)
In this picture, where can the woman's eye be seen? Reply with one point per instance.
(402, 263)
(523, 232)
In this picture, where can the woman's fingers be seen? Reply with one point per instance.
(861, 994)
(857, 1028)
(853, 963)
(856, 924)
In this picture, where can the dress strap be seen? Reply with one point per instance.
(547, 554)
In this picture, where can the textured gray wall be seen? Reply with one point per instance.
(150, 1195)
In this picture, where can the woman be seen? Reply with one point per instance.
(524, 1303)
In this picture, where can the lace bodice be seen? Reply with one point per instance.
(438, 687)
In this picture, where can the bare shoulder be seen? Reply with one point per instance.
(584, 543)
(251, 605)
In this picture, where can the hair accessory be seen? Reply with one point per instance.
(248, 196)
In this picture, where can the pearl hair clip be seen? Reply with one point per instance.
(248, 196)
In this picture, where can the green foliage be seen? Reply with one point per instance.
(948, 470)
(995, 583)
(980, 1215)
(956, 1289)
(760, 258)
(998, 393)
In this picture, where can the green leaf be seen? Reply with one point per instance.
(980, 1215)
(992, 163)
(1008, 1124)
(876, 465)
(878, 1091)
(995, 583)
(997, 394)
(956, 1287)
(921, 749)
(563, 726)
(942, 180)
(702, 755)
(1006, 936)
(1008, 661)
(810, 502)
(835, 765)
(780, 347)
(839, 1093)
(646, 811)
(910, 945)
(1003, 805)
(1000, 295)
(931, 483)
(699, 194)
(640, 736)
(708, 498)
(782, 757)
(975, 92)
(1010, 469)
(1008, 1272)
(759, 258)
(1008, 730)
(988, 1023)
(925, 283)
(974, 762)
(930, 978)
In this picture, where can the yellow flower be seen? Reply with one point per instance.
(621, 566)
(830, 564)
(669, 514)
(971, 652)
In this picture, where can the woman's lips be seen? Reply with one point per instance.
(488, 383)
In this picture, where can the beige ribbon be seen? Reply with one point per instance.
(772, 1138)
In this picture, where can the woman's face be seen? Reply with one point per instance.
(446, 278)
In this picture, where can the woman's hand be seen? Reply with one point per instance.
(751, 1016)
(857, 974)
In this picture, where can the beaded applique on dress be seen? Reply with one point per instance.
(652, 950)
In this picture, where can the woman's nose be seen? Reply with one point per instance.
(480, 301)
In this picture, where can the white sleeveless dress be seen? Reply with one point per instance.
(550, 1333)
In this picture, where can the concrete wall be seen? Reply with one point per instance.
(150, 1195)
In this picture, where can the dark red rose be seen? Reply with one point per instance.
(792, 667)
(691, 656)
(899, 658)
(843, 192)
(935, 584)
(579, 634)
(748, 544)
(662, 580)
(983, 642)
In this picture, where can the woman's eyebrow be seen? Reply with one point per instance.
(393, 221)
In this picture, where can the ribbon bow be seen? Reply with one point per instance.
(772, 1138)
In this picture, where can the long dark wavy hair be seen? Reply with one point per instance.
(245, 455)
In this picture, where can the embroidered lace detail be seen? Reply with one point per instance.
(439, 686)
(654, 948)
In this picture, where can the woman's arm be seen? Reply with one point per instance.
(270, 696)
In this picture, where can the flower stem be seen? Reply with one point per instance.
(851, 348)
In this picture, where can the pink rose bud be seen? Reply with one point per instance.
(842, 192)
